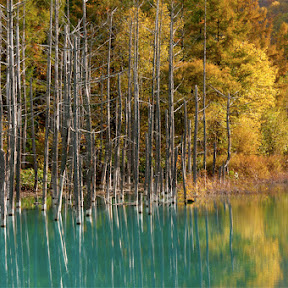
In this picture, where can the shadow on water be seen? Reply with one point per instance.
(237, 243)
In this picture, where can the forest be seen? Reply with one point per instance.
(115, 98)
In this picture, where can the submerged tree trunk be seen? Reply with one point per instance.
(54, 173)
(136, 107)
(87, 115)
(1, 98)
(204, 95)
(13, 107)
(24, 131)
(2, 187)
(118, 134)
(189, 147)
(75, 136)
(47, 113)
(66, 126)
(171, 96)
(19, 126)
(35, 165)
(195, 137)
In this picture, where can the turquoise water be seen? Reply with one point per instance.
(240, 242)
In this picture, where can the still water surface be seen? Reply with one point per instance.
(238, 242)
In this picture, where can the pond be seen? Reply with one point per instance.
(242, 241)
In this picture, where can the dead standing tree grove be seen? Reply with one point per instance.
(69, 69)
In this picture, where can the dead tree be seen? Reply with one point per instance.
(47, 112)
(24, 130)
(76, 176)
(19, 124)
(117, 140)
(54, 173)
(171, 98)
(87, 115)
(11, 95)
(35, 165)
(204, 94)
(136, 128)
(66, 125)
(1, 98)
(2, 187)
(195, 137)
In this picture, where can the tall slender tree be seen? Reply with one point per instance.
(47, 112)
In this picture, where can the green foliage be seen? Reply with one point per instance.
(28, 176)
(28, 202)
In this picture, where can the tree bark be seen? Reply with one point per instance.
(118, 134)
(204, 94)
(19, 124)
(183, 152)
(66, 126)
(35, 165)
(136, 106)
(54, 173)
(75, 135)
(47, 112)
(2, 187)
(195, 137)
(87, 114)
(13, 107)
(24, 131)
(171, 92)
(189, 147)
(228, 132)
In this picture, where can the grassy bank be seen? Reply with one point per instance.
(245, 174)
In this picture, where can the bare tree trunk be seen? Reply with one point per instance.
(149, 148)
(1, 98)
(24, 131)
(167, 162)
(228, 132)
(66, 126)
(189, 147)
(19, 126)
(174, 183)
(204, 95)
(183, 152)
(171, 93)
(33, 142)
(2, 187)
(157, 102)
(54, 173)
(118, 134)
(87, 114)
(136, 106)
(214, 158)
(129, 113)
(195, 137)
(47, 112)
(75, 136)
(13, 105)
(185, 132)
(122, 175)
(108, 152)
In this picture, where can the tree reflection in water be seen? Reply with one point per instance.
(239, 244)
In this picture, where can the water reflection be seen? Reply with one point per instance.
(234, 243)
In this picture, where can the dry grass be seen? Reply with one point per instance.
(246, 172)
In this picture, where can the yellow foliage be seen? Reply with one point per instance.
(246, 136)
